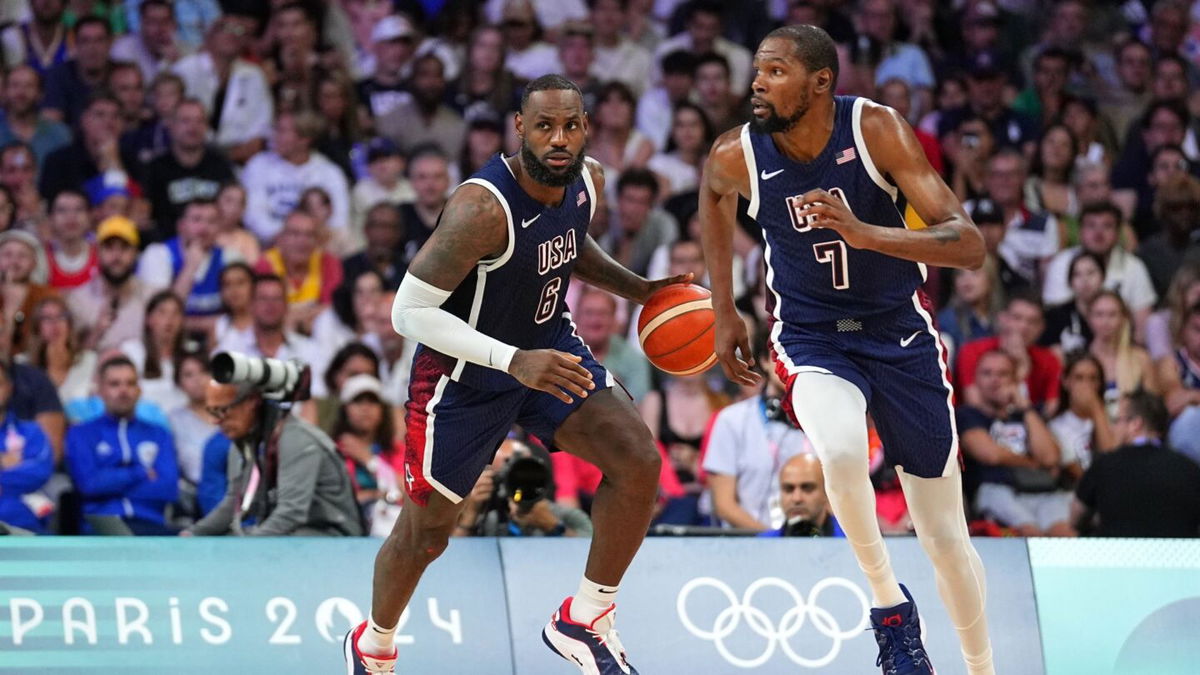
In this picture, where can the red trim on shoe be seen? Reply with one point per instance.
(566, 614)
(354, 645)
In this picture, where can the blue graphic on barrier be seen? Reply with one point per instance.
(237, 606)
(718, 606)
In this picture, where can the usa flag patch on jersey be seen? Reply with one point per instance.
(581, 198)
(844, 156)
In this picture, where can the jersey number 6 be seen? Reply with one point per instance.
(834, 252)
(548, 301)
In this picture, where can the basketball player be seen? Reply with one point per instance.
(842, 193)
(484, 298)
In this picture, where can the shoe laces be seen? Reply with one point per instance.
(900, 648)
(609, 638)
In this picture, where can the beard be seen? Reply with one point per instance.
(545, 175)
(116, 277)
(774, 123)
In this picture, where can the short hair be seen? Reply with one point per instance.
(997, 352)
(130, 66)
(1104, 207)
(199, 201)
(551, 82)
(168, 77)
(712, 57)
(37, 77)
(1028, 297)
(1171, 58)
(71, 191)
(1055, 53)
(1010, 153)
(101, 96)
(812, 46)
(1131, 43)
(309, 125)
(704, 7)
(115, 361)
(1176, 108)
(1149, 408)
(679, 62)
(238, 265)
(92, 20)
(148, 4)
(636, 177)
(261, 278)
(1169, 147)
(425, 151)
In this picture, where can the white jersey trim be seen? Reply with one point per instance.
(490, 265)
(752, 171)
(864, 153)
(591, 189)
(952, 456)
(427, 460)
(473, 319)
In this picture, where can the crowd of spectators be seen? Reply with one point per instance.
(183, 177)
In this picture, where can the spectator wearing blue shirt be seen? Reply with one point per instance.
(124, 469)
(25, 464)
(69, 85)
(34, 397)
(20, 119)
(213, 477)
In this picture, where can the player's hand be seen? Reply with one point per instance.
(731, 337)
(554, 372)
(833, 214)
(653, 287)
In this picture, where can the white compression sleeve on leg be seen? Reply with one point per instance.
(833, 414)
(936, 508)
(417, 314)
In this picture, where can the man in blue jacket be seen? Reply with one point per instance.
(25, 463)
(124, 469)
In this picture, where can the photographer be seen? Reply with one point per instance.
(512, 501)
(283, 472)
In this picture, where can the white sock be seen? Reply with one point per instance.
(591, 600)
(377, 640)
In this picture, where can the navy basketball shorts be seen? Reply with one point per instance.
(453, 431)
(898, 361)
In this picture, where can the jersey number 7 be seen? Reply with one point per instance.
(834, 252)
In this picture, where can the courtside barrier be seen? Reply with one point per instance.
(706, 606)
(1118, 606)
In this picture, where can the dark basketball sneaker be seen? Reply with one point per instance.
(898, 633)
(358, 663)
(595, 648)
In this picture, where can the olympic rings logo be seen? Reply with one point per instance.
(792, 622)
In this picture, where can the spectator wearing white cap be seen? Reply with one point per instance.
(365, 434)
(393, 44)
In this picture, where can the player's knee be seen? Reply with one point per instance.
(949, 547)
(422, 542)
(844, 459)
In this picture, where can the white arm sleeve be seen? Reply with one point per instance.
(417, 315)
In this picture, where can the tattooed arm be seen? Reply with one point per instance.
(474, 228)
(597, 268)
(950, 240)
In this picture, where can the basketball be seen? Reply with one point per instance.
(676, 329)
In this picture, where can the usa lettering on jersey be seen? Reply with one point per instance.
(556, 252)
(803, 222)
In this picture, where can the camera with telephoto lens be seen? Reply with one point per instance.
(277, 380)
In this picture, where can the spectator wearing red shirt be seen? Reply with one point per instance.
(1018, 328)
(71, 258)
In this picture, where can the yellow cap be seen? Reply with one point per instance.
(119, 227)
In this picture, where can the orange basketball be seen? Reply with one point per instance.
(676, 329)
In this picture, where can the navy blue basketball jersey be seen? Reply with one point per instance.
(519, 297)
(813, 275)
